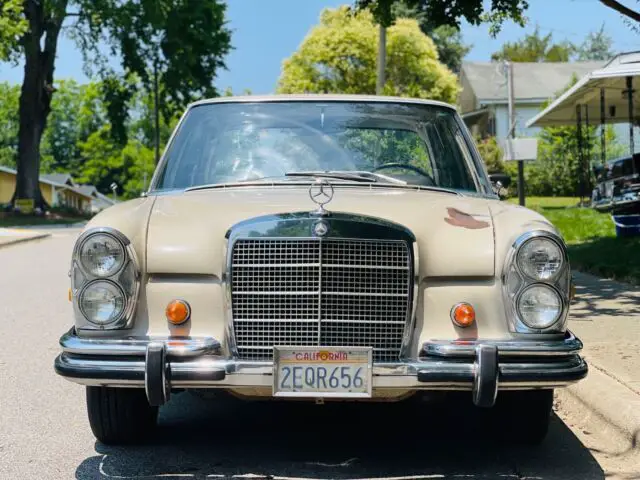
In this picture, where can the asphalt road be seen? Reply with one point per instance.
(44, 433)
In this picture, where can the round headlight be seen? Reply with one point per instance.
(102, 302)
(101, 255)
(540, 258)
(539, 306)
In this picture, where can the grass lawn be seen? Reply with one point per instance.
(591, 238)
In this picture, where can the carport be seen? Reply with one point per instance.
(604, 96)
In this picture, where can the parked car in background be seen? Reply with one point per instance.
(323, 248)
(617, 187)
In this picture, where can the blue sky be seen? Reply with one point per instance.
(267, 31)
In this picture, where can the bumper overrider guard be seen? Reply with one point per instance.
(160, 364)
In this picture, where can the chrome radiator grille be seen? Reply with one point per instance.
(327, 292)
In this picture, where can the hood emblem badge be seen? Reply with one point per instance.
(321, 193)
(321, 228)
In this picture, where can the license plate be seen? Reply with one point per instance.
(339, 372)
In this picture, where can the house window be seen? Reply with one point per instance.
(491, 125)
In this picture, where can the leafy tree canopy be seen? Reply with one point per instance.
(535, 47)
(597, 46)
(447, 38)
(451, 12)
(339, 56)
(12, 26)
(9, 97)
(179, 43)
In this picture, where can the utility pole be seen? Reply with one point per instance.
(382, 59)
(512, 128)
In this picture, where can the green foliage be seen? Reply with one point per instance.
(597, 46)
(9, 97)
(78, 139)
(451, 12)
(185, 40)
(535, 47)
(447, 38)
(491, 154)
(12, 27)
(76, 112)
(339, 56)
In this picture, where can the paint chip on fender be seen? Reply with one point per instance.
(464, 220)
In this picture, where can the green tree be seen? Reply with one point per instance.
(9, 99)
(185, 41)
(535, 47)
(12, 26)
(76, 112)
(339, 56)
(441, 12)
(597, 46)
(447, 38)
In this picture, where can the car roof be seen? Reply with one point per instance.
(320, 98)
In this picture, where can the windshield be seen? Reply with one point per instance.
(396, 143)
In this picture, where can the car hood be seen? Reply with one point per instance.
(454, 233)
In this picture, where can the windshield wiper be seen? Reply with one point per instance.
(356, 176)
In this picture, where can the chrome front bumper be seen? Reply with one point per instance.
(160, 364)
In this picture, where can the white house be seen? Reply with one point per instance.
(483, 100)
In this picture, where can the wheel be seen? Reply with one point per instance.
(120, 415)
(525, 415)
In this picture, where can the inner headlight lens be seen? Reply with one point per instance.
(102, 255)
(540, 259)
(102, 302)
(539, 306)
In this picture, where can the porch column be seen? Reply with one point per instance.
(630, 104)
(603, 124)
(579, 138)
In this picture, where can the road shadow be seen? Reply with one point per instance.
(600, 297)
(203, 438)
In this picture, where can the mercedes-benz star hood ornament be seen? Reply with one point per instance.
(321, 192)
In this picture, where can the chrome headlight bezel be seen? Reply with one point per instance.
(515, 281)
(127, 278)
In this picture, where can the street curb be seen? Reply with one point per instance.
(25, 239)
(610, 399)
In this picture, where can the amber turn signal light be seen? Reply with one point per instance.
(178, 312)
(463, 315)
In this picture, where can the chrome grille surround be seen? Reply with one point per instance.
(330, 291)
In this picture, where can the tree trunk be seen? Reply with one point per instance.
(36, 93)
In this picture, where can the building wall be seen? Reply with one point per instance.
(524, 113)
(466, 99)
(7, 187)
(47, 193)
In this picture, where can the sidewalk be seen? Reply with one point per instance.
(10, 236)
(605, 315)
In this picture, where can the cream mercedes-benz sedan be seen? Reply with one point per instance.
(324, 248)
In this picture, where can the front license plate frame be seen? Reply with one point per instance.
(363, 358)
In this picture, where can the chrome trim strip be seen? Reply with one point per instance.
(405, 347)
(569, 345)
(215, 372)
(137, 346)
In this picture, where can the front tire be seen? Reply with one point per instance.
(525, 415)
(120, 415)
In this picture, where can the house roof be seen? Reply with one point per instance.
(611, 80)
(58, 178)
(47, 179)
(531, 81)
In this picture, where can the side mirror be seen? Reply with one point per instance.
(500, 180)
